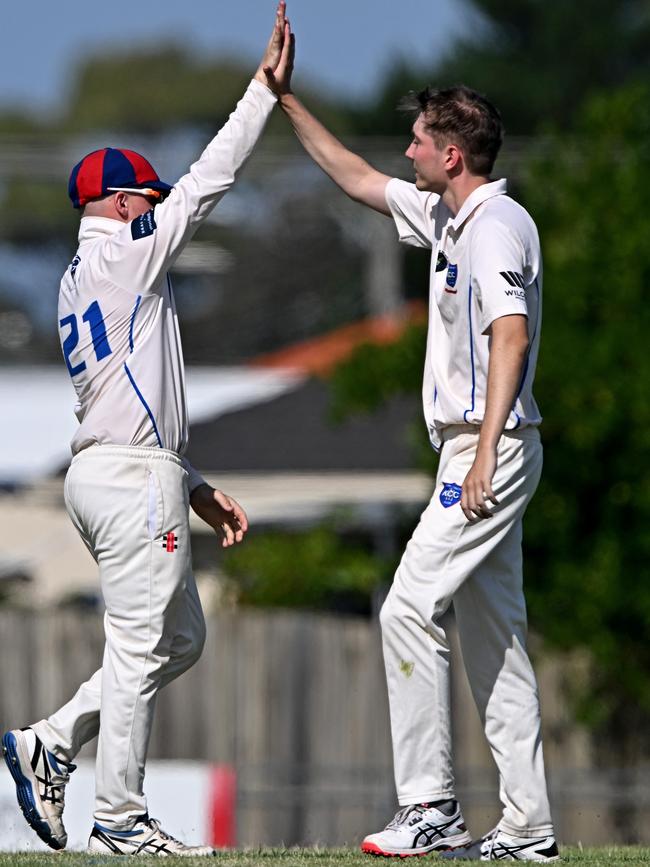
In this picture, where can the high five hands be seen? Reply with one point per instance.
(276, 66)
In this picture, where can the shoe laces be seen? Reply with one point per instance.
(154, 824)
(414, 810)
(55, 776)
(490, 838)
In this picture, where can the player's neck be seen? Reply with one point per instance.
(461, 188)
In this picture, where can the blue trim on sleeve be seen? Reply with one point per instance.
(527, 362)
(471, 352)
(144, 404)
(135, 310)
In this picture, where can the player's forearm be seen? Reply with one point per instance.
(215, 171)
(194, 195)
(351, 172)
(507, 358)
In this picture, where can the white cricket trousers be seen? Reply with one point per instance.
(131, 507)
(478, 566)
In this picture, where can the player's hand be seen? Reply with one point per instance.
(477, 487)
(273, 53)
(221, 512)
(278, 79)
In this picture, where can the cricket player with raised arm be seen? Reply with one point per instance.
(483, 338)
(129, 488)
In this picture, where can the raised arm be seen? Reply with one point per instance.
(354, 175)
(141, 253)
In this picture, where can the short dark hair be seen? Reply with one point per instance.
(464, 117)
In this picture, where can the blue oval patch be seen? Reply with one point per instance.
(450, 494)
(452, 275)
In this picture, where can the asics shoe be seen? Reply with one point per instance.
(418, 829)
(40, 784)
(499, 846)
(145, 838)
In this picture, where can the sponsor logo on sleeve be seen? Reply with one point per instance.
(143, 226)
(452, 277)
(516, 280)
(513, 278)
(73, 265)
(450, 494)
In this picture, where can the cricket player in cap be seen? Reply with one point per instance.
(483, 338)
(129, 488)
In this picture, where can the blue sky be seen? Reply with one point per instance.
(345, 47)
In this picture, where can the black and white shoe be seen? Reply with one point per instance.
(419, 829)
(40, 784)
(499, 846)
(145, 838)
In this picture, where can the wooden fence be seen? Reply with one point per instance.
(296, 703)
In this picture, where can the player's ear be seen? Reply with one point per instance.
(121, 203)
(453, 157)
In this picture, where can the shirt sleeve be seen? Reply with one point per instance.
(412, 211)
(500, 273)
(194, 476)
(136, 257)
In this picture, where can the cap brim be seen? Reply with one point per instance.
(159, 186)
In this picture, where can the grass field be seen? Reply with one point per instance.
(610, 856)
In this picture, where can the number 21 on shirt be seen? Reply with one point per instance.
(93, 316)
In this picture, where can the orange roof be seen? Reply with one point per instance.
(319, 355)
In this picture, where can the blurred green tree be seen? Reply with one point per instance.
(587, 537)
(151, 90)
(319, 568)
(538, 61)
(588, 530)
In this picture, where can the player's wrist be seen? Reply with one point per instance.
(487, 443)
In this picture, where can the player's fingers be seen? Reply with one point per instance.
(228, 534)
(292, 50)
(285, 54)
(473, 501)
(223, 500)
(479, 506)
(240, 515)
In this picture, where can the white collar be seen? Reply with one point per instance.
(477, 197)
(92, 228)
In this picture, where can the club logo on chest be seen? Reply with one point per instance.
(452, 278)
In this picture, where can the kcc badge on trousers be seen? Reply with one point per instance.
(450, 494)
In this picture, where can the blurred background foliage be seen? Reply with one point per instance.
(324, 567)
(582, 96)
(537, 61)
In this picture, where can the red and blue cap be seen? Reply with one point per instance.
(112, 170)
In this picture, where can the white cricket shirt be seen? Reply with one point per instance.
(117, 317)
(485, 263)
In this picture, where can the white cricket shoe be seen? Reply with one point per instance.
(40, 784)
(145, 838)
(499, 846)
(418, 829)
